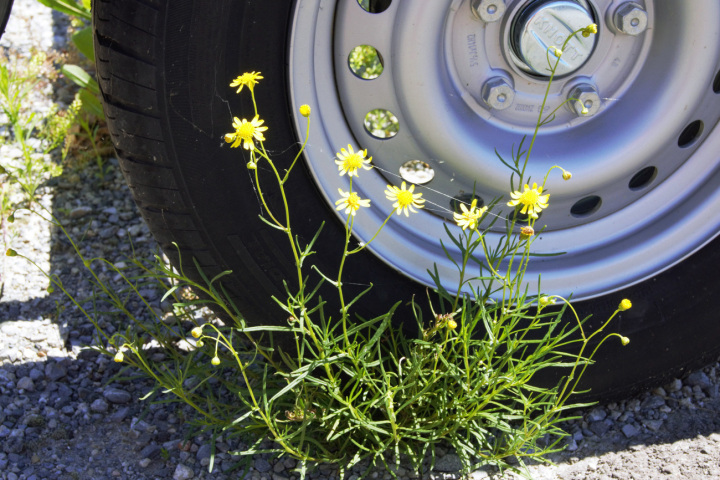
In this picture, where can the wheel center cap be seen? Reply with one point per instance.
(543, 24)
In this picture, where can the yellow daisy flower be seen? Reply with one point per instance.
(469, 218)
(245, 132)
(531, 199)
(351, 202)
(404, 198)
(248, 79)
(350, 161)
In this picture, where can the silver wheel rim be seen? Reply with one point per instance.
(658, 200)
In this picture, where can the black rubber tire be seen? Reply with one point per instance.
(5, 8)
(164, 68)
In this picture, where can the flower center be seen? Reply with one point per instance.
(529, 197)
(405, 198)
(246, 131)
(353, 162)
(354, 201)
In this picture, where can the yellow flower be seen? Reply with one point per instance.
(215, 360)
(625, 304)
(556, 51)
(624, 340)
(351, 202)
(305, 110)
(527, 231)
(245, 132)
(404, 198)
(452, 324)
(119, 357)
(350, 161)
(196, 332)
(589, 30)
(469, 218)
(531, 199)
(246, 79)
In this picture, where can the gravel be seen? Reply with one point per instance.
(65, 414)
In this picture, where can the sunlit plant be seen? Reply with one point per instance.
(362, 390)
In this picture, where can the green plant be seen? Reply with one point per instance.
(35, 137)
(350, 389)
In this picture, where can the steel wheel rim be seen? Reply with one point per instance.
(636, 232)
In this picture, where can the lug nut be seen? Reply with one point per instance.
(630, 19)
(497, 93)
(488, 10)
(584, 100)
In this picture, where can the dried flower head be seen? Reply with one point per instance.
(526, 232)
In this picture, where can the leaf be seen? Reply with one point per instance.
(90, 103)
(78, 76)
(69, 7)
(83, 40)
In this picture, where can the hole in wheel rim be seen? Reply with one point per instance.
(586, 206)
(365, 62)
(643, 178)
(690, 134)
(465, 199)
(716, 83)
(374, 6)
(417, 172)
(381, 123)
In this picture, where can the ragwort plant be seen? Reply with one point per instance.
(360, 390)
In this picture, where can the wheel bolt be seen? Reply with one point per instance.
(498, 93)
(630, 19)
(584, 100)
(488, 10)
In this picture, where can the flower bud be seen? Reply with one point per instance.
(11, 253)
(196, 332)
(200, 344)
(452, 324)
(624, 340)
(526, 232)
(119, 357)
(251, 165)
(11, 218)
(566, 175)
(50, 289)
(544, 301)
(625, 304)
(305, 110)
(215, 360)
